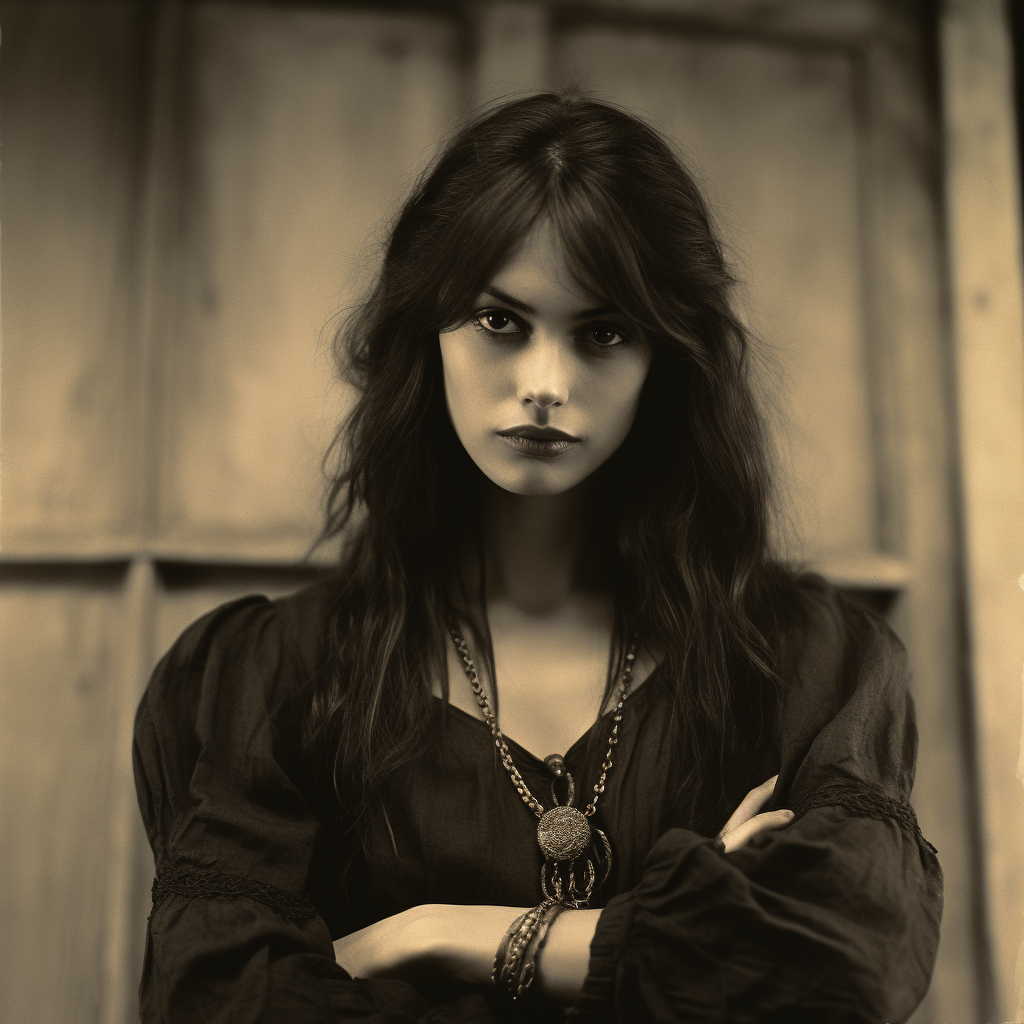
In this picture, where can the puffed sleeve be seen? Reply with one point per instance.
(234, 935)
(831, 920)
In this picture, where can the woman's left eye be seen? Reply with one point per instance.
(604, 336)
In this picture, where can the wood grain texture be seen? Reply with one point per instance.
(70, 127)
(62, 647)
(983, 204)
(124, 939)
(912, 410)
(302, 129)
(822, 22)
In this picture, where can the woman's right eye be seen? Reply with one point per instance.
(496, 322)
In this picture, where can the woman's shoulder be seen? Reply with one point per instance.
(252, 650)
(833, 643)
(304, 622)
(218, 738)
(847, 729)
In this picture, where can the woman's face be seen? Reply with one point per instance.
(543, 381)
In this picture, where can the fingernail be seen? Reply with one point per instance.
(719, 844)
(788, 813)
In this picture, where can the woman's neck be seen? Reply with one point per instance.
(538, 548)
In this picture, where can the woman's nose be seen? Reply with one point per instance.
(543, 374)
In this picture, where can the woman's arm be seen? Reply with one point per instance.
(233, 935)
(833, 920)
(461, 941)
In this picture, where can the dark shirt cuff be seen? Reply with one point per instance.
(595, 1001)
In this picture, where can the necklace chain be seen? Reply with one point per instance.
(499, 739)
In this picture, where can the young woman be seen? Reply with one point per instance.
(554, 490)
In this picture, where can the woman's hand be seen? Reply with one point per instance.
(395, 947)
(745, 822)
(459, 941)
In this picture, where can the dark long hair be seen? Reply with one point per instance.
(689, 491)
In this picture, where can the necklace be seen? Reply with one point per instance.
(563, 831)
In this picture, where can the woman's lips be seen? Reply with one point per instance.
(544, 442)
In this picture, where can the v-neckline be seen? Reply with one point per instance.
(529, 754)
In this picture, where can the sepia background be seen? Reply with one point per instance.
(191, 192)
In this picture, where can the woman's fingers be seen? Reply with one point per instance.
(745, 822)
(744, 832)
(750, 804)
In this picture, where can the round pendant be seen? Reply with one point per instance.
(563, 833)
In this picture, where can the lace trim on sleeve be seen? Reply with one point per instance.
(194, 883)
(867, 803)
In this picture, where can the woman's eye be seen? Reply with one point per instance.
(604, 336)
(498, 323)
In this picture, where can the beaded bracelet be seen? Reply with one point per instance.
(506, 969)
(514, 962)
(502, 954)
(533, 950)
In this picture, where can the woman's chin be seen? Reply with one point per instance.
(536, 480)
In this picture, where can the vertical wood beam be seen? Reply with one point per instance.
(984, 218)
(156, 250)
(154, 265)
(909, 360)
(121, 956)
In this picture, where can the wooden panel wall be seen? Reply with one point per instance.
(70, 119)
(186, 202)
(983, 203)
(64, 672)
(300, 129)
(771, 132)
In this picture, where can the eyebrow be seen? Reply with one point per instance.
(585, 314)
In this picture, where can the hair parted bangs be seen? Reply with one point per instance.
(689, 491)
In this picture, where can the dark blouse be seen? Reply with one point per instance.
(834, 918)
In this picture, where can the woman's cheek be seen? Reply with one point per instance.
(613, 403)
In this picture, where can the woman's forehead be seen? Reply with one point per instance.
(539, 276)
